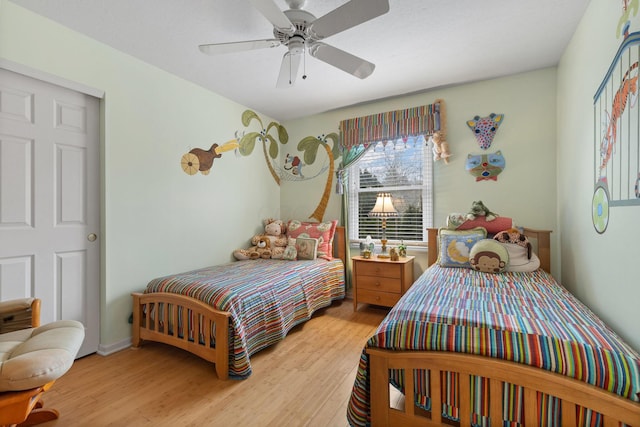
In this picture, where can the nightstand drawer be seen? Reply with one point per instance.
(381, 281)
(379, 269)
(378, 283)
(378, 298)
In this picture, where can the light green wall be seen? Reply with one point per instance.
(156, 219)
(547, 139)
(601, 270)
(526, 190)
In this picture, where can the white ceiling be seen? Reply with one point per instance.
(418, 45)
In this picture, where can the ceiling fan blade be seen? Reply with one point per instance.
(346, 16)
(220, 48)
(288, 70)
(272, 12)
(342, 60)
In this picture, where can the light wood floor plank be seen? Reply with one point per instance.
(304, 380)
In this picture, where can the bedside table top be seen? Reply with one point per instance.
(374, 258)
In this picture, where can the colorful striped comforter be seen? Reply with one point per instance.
(266, 298)
(523, 317)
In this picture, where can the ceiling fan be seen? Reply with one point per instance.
(301, 32)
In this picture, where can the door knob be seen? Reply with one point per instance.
(92, 237)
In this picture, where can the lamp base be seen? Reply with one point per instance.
(384, 254)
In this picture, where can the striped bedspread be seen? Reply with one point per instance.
(523, 317)
(266, 298)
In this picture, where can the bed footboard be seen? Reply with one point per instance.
(571, 392)
(162, 317)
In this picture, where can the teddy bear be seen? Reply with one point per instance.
(260, 249)
(275, 233)
(275, 230)
(479, 209)
(440, 147)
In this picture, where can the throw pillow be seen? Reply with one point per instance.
(323, 231)
(492, 227)
(307, 247)
(489, 256)
(454, 246)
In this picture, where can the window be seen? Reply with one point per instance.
(404, 169)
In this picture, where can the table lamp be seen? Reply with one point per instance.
(384, 209)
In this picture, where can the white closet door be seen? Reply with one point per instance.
(49, 200)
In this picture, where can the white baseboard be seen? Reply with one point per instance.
(105, 350)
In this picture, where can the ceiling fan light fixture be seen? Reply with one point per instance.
(295, 4)
(296, 45)
(299, 31)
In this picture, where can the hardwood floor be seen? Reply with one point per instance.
(304, 380)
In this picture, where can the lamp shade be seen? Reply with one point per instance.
(384, 207)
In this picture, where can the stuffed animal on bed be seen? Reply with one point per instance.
(479, 209)
(261, 249)
(275, 233)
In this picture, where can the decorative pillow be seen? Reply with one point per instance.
(455, 245)
(307, 247)
(519, 259)
(323, 231)
(499, 224)
(489, 256)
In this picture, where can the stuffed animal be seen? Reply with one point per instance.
(275, 230)
(440, 147)
(261, 249)
(514, 236)
(290, 252)
(275, 233)
(479, 209)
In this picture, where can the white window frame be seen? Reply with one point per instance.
(426, 187)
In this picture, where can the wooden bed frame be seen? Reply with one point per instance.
(149, 328)
(572, 392)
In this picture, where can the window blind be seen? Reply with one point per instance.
(403, 168)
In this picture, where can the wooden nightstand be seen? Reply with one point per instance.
(380, 281)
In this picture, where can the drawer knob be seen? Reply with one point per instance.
(377, 297)
(377, 283)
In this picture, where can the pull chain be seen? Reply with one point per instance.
(304, 63)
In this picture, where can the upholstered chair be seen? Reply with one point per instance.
(32, 358)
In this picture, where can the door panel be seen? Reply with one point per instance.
(49, 200)
(16, 189)
(70, 185)
(70, 282)
(17, 271)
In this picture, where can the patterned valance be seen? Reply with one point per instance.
(423, 120)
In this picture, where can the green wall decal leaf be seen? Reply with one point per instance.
(309, 145)
(273, 147)
(248, 143)
(336, 151)
(283, 136)
(249, 115)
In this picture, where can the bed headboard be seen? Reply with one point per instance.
(541, 237)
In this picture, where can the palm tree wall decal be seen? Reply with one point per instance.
(310, 145)
(248, 141)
